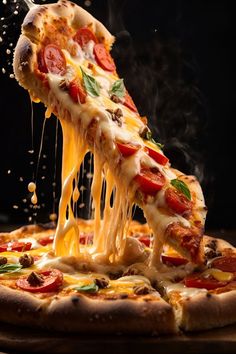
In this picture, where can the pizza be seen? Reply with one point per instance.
(109, 274)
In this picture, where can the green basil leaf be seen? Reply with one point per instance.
(181, 187)
(91, 288)
(150, 138)
(91, 85)
(10, 268)
(118, 88)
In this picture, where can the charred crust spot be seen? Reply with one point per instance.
(123, 296)
(208, 295)
(74, 299)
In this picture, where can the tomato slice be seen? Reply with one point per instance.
(176, 261)
(127, 149)
(177, 201)
(52, 280)
(150, 181)
(128, 102)
(226, 264)
(86, 238)
(196, 281)
(84, 35)
(44, 241)
(15, 246)
(157, 156)
(145, 239)
(77, 92)
(103, 57)
(51, 59)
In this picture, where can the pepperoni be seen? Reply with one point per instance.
(157, 156)
(77, 92)
(83, 36)
(176, 261)
(150, 181)
(51, 59)
(52, 280)
(226, 264)
(128, 102)
(15, 246)
(196, 281)
(177, 201)
(127, 149)
(103, 57)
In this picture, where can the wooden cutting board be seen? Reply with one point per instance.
(21, 340)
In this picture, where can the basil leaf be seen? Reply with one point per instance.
(91, 288)
(118, 88)
(10, 268)
(150, 138)
(182, 187)
(91, 85)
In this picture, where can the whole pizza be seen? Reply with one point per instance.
(109, 274)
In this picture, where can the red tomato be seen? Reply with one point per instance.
(196, 281)
(176, 261)
(52, 279)
(226, 264)
(103, 57)
(83, 36)
(145, 240)
(86, 238)
(127, 149)
(77, 92)
(150, 182)
(128, 102)
(46, 240)
(51, 59)
(157, 156)
(177, 201)
(15, 246)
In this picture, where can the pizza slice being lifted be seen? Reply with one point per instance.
(62, 58)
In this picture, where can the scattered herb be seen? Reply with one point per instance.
(118, 88)
(182, 187)
(10, 268)
(91, 288)
(91, 85)
(149, 137)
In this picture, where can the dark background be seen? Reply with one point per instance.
(176, 58)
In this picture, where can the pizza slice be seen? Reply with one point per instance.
(59, 293)
(62, 58)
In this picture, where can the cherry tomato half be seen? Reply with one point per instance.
(84, 35)
(196, 281)
(128, 102)
(15, 246)
(127, 149)
(51, 59)
(145, 239)
(103, 57)
(226, 264)
(44, 241)
(177, 201)
(52, 280)
(77, 92)
(150, 181)
(176, 261)
(157, 156)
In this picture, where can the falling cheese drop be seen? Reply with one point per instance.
(32, 189)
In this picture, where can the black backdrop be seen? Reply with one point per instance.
(176, 58)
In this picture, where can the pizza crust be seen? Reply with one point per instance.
(78, 313)
(206, 311)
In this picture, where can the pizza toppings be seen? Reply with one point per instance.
(101, 283)
(44, 241)
(142, 289)
(84, 35)
(128, 102)
(225, 263)
(173, 260)
(128, 149)
(91, 85)
(51, 59)
(91, 288)
(77, 92)
(103, 57)
(10, 268)
(177, 201)
(157, 156)
(150, 181)
(44, 281)
(116, 116)
(15, 246)
(198, 281)
(3, 260)
(26, 260)
(117, 90)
